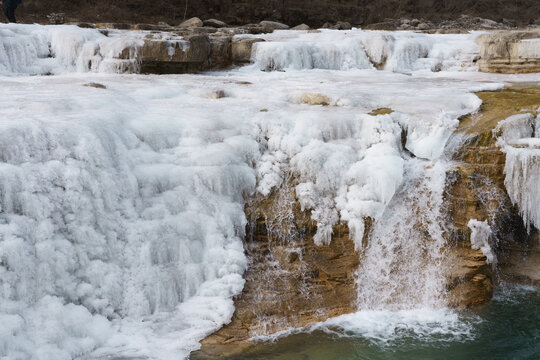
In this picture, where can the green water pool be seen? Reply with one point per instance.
(507, 328)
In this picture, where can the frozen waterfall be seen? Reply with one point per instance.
(43, 50)
(122, 205)
(401, 52)
(522, 166)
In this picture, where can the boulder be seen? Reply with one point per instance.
(301, 27)
(422, 26)
(191, 23)
(215, 94)
(314, 99)
(274, 25)
(214, 23)
(241, 49)
(342, 25)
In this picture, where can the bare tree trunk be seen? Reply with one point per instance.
(185, 10)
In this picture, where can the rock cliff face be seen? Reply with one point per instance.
(292, 12)
(510, 52)
(290, 281)
(476, 190)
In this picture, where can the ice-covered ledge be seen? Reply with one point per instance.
(51, 50)
(510, 52)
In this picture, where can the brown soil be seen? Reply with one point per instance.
(292, 12)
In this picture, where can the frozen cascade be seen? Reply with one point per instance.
(348, 167)
(402, 266)
(122, 208)
(522, 180)
(522, 167)
(36, 49)
(356, 49)
(103, 217)
(344, 55)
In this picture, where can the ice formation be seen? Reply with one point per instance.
(41, 50)
(112, 208)
(356, 49)
(522, 166)
(121, 208)
(480, 239)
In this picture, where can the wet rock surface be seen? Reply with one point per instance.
(476, 190)
(290, 281)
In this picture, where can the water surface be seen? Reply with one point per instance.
(507, 328)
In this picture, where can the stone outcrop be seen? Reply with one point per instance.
(241, 49)
(290, 281)
(165, 57)
(510, 52)
(301, 27)
(476, 190)
(214, 23)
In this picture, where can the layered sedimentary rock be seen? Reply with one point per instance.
(476, 190)
(188, 51)
(290, 281)
(196, 49)
(510, 52)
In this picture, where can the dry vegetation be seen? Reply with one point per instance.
(312, 12)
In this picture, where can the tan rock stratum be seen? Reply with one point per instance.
(510, 52)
